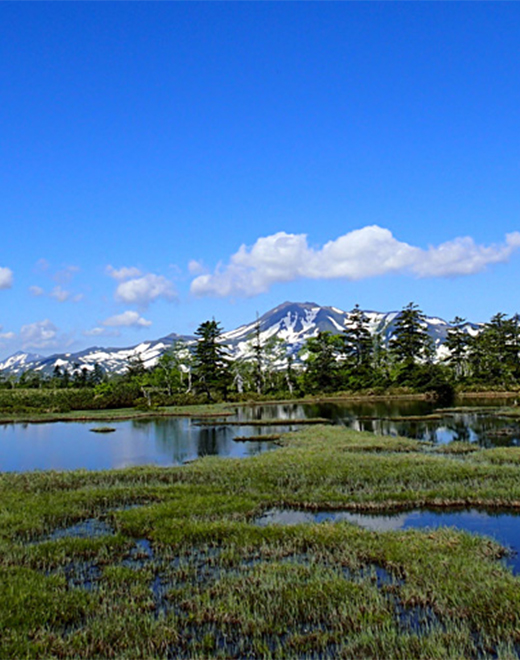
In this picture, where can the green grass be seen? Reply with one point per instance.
(119, 414)
(186, 572)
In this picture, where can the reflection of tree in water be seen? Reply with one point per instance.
(495, 432)
(275, 411)
(380, 417)
(213, 440)
(174, 438)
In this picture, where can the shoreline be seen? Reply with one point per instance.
(224, 409)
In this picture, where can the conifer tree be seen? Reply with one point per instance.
(211, 365)
(357, 339)
(457, 342)
(410, 342)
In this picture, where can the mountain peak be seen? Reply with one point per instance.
(291, 322)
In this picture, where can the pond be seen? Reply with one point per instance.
(173, 441)
(501, 526)
(165, 441)
(476, 421)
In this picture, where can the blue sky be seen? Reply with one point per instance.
(166, 163)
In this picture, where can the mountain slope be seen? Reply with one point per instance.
(292, 323)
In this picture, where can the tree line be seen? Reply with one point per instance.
(353, 360)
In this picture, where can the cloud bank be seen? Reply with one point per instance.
(368, 252)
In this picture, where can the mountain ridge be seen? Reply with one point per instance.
(292, 323)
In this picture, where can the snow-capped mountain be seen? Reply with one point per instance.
(111, 360)
(292, 323)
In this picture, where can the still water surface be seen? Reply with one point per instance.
(173, 441)
(479, 422)
(72, 445)
(503, 527)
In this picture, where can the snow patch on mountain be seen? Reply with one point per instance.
(291, 323)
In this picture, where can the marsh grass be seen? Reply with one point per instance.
(47, 414)
(168, 562)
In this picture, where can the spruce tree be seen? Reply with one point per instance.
(321, 373)
(410, 342)
(210, 360)
(457, 342)
(357, 338)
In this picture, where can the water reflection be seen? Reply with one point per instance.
(420, 420)
(503, 527)
(173, 441)
(165, 441)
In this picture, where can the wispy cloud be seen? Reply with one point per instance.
(101, 332)
(65, 274)
(196, 267)
(36, 291)
(6, 335)
(59, 294)
(6, 278)
(41, 334)
(124, 273)
(127, 319)
(62, 295)
(61, 278)
(368, 252)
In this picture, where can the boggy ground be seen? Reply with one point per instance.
(169, 563)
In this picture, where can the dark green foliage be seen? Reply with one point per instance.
(458, 342)
(359, 368)
(358, 340)
(352, 361)
(322, 369)
(258, 359)
(494, 352)
(211, 362)
(410, 342)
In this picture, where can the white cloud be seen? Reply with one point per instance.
(368, 252)
(42, 334)
(144, 290)
(6, 278)
(5, 337)
(36, 291)
(123, 273)
(196, 267)
(127, 319)
(463, 257)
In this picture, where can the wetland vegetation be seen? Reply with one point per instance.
(170, 562)
(184, 561)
